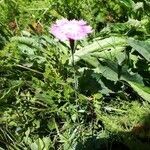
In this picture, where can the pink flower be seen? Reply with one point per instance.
(70, 29)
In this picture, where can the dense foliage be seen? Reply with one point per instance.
(39, 107)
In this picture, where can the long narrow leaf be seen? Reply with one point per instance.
(99, 45)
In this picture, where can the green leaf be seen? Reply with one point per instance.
(46, 97)
(34, 146)
(30, 41)
(105, 90)
(41, 144)
(16, 84)
(128, 3)
(47, 143)
(143, 91)
(112, 53)
(26, 49)
(99, 46)
(142, 47)
(109, 72)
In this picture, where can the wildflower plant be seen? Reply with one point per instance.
(44, 104)
(71, 30)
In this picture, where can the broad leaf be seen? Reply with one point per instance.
(142, 47)
(109, 70)
(143, 91)
(98, 46)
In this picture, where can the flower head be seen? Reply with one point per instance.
(70, 29)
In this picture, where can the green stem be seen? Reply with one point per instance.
(72, 46)
(27, 68)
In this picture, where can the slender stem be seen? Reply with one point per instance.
(72, 46)
(74, 74)
(24, 67)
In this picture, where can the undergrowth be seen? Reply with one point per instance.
(38, 109)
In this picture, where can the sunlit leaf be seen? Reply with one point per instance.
(142, 47)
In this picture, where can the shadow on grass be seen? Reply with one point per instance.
(101, 144)
(137, 139)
